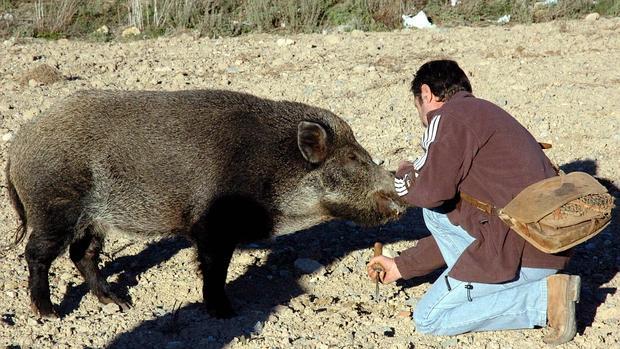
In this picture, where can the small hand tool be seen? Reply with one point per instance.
(378, 251)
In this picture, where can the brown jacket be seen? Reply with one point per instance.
(472, 145)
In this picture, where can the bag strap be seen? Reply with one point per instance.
(545, 146)
(481, 205)
(492, 210)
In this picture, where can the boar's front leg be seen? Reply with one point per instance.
(215, 250)
(230, 220)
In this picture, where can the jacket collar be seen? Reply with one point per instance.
(457, 96)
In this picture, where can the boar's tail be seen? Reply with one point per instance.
(20, 232)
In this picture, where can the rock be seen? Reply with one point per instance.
(111, 308)
(7, 136)
(592, 17)
(307, 265)
(32, 322)
(285, 42)
(105, 30)
(131, 31)
(258, 327)
(450, 342)
(308, 90)
(411, 302)
(389, 332)
(404, 314)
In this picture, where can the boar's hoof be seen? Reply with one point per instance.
(112, 298)
(220, 309)
(44, 311)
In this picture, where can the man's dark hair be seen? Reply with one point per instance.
(444, 77)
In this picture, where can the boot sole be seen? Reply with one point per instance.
(573, 295)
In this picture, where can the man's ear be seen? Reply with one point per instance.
(426, 94)
(312, 141)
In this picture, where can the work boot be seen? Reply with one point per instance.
(562, 294)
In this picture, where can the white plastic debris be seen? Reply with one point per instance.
(455, 2)
(504, 19)
(419, 21)
(549, 2)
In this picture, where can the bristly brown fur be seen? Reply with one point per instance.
(219, 167)
(20, 231)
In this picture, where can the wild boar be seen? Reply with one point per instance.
(218, 167)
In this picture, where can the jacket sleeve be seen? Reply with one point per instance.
(421, 259)
(450, 147)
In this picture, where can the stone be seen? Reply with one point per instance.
(450, 342)
(32, 322)
(307, 265)
(131, 31)
(592, 17)
(7, 136)
(111, 308)
(285, 42)
(258, 327)
(404, 314)
(103, 30)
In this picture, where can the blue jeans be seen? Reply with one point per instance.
(463, 307)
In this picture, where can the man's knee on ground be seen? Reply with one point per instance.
(425, 324)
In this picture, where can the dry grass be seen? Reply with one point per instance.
(53, 18)
(56, 18)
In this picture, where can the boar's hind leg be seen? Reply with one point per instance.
(214, 256)
(43, 247)
(84, 252)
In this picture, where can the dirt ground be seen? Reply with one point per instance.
(560, 79)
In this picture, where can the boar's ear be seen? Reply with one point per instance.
(312, 141)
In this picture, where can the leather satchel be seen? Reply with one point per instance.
(556, 213)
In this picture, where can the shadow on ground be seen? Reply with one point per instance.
(254, 295)
(596, 260)
(257, 293)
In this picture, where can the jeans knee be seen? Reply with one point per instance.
(424, 324)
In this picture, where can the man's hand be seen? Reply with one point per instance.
(405, 176)
(390, 272)
(404, 167)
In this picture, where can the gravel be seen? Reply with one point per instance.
(557, 79)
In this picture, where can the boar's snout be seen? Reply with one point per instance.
(389, 204)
